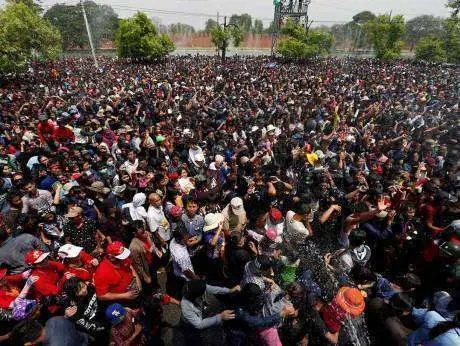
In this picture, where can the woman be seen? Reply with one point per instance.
(144, 254)
(80, 303)
(192, 306)
(135, 210)
(214, 239)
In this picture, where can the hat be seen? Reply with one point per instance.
(98, 186)
(119, 189)
(35, 256)
(237, 206)
(115, 313)
(244, 159)
(351, 300)
(74, 212)
(271, 128)
(212, 221)
(176, 211)
(117, 250)
(312, 158)
(276, 216)
(254, 128)
(199, 157)
(67, 187)
(271, 234)
(76, 176)
(69, 251)
(173, 176)
(159, 139)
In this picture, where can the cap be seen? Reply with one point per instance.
(199, 157)
(276, 216)
(69, 251)
(271, 128)
(76, 176)
(351, 300)
(237, 206)
(35, 256)
(176, 211)
(74, 212)
(117, 250)
(271, 234)
(159, 139)
(211, 221)
(115, 313)
(173, 176)
(99, 187)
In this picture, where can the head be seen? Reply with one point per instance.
(30, 188)
(138, 230)
(155, 200)
(194, 289)
(191, 206)
(75, 288)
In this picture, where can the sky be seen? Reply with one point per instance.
(322, 12)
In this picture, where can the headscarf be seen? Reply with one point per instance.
(136, 209)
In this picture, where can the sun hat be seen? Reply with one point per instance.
(115, 313)
(74, 212)
(69, 251)
(35, 256)
(271, 128)
(212, 220)
(237, 206)
(99, 187)
(351, 300)
(117, 250)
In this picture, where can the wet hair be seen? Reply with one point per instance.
(194, 289)
(70, 288)
(297, 294)
(252, 299)
(180, 232)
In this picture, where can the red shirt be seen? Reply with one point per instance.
(48, 278)
(63, 134)
(86, 272)
(45, 131)
(110, 279)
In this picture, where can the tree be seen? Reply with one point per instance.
(210, 25)
(24, 34)
(451, 38)
(303, 44)
(221, 37)
(243, 22)
(270, 28)
(69, 20)
(422, 26)
(454, 5)
(363, 17)
(430, 49)
(180, 28)
(137, 37)
(385, 33)
(258, 27)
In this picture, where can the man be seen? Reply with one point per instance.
(234, 216)
(48, 273)
(62, 134)
(130, 165)
(115, 278)
(35, 199)
(194, 224)
(82, 231)
(156, 219)
(77, 262)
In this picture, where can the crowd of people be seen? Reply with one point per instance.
(274, 203)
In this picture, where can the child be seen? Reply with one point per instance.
(125, 330)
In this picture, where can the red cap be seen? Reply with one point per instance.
(75, 176)
(35, 256)
(117, 250)
(275, 215)
(173, 176)
(175, 211)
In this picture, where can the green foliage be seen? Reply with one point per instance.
(180, 28)
(258, 27)
(137, 37)
(363, 17)
(303, 44)
(430, 49)
(243, 22)
(385, 34)
(422, 26)
(69, 20)
(221, 36)
(210, 25)
(454, 5)
(451, 39)
(24, 34)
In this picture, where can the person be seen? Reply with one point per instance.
(115, 278)
(191, 307)
(234, 216)
(77, 262)
(144, 256)
(157, 221)
(214, 240)
(135, 210)
(126, 330)
(36, 199)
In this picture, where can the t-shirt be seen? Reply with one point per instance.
(110, 279)
(85, 236)
(48, 277)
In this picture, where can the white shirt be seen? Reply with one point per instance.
(180, 259)
(157, 221)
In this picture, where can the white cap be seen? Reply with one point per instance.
(212, 220)
(237, 206)
(199, 157)
(69, 251)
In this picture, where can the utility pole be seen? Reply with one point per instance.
(224, 45)
(88, 30)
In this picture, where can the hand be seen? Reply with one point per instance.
(381, 204)
(336, 208)
(70, 311)
(148, 281)
(252, 247)
(94, 262)
(327, 258)
(227, 315)
(131, 295)
(237, 288)
(26, 274)
(32, 279)
(138, 328)
(287, 310)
